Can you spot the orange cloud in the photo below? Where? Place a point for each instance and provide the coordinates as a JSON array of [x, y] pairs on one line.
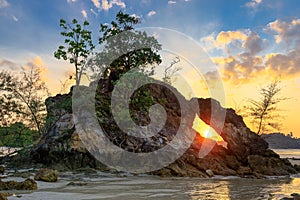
[[224, 38], [39, 64]]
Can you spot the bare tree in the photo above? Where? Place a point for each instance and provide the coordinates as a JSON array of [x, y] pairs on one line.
[[171, 70], [264, 111], [22, 98]]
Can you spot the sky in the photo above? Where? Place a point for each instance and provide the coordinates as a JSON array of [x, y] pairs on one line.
[[250, 42]]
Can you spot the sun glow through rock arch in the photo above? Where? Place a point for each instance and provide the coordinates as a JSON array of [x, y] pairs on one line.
[[205, 130]]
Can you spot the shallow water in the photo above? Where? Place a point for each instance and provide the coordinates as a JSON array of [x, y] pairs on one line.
[[109, 186], [290, 153], [129, 187]]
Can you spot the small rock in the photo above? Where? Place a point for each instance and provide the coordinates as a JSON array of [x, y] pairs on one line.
[[1, 169], [296, 196], [47, 175], [28, 184], [3, 196], [76, 184], [210, 173]]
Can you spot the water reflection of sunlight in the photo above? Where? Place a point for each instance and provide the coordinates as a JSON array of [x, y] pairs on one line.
[[210, 190], [289, 187]]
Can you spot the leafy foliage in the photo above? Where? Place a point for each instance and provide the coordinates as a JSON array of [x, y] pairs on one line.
[[264, 111], [17, 135], [125, 48], [78, 45]]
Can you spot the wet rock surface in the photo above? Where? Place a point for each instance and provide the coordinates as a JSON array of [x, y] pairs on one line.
[[28, 184]]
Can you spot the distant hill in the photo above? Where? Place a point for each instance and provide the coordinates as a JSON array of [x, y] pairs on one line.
[[280, 141]]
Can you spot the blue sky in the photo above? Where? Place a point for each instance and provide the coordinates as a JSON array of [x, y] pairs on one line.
[[33, 25], [250, 41]]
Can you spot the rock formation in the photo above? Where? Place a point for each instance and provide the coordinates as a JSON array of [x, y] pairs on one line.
[[246, 154]]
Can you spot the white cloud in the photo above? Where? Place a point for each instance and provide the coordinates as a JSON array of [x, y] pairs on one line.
[[3, 3], [15, 18], [135, 16], [71, 1], [171, 2], [151, 13], [253, 3], [107, 5], [96, 3], [84, 14]]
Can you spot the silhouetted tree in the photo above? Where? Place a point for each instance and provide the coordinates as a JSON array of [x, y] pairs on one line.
[[264, 111]]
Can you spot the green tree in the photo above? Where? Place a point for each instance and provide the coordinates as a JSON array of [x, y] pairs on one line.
[[22, 99], [120, 38], [264, 111], [78, 46], [17, 135]]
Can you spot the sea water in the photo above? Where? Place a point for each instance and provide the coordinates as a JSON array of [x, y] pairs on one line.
[[127, 187]]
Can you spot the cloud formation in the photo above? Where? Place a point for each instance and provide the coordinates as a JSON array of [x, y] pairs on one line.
[[171, 2], [71, 1], [96, 3], [286, 31], [253, 3], [9, 65], [107, 5], [151, 13], [253, 59], [15, 18], [37, 63], [254, 43], [3, 3], [84, 13]]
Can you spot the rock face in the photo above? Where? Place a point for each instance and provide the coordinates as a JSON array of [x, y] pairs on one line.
[[246, 154], [28, 184], [60, 146], [47, 175], [1, 169]]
